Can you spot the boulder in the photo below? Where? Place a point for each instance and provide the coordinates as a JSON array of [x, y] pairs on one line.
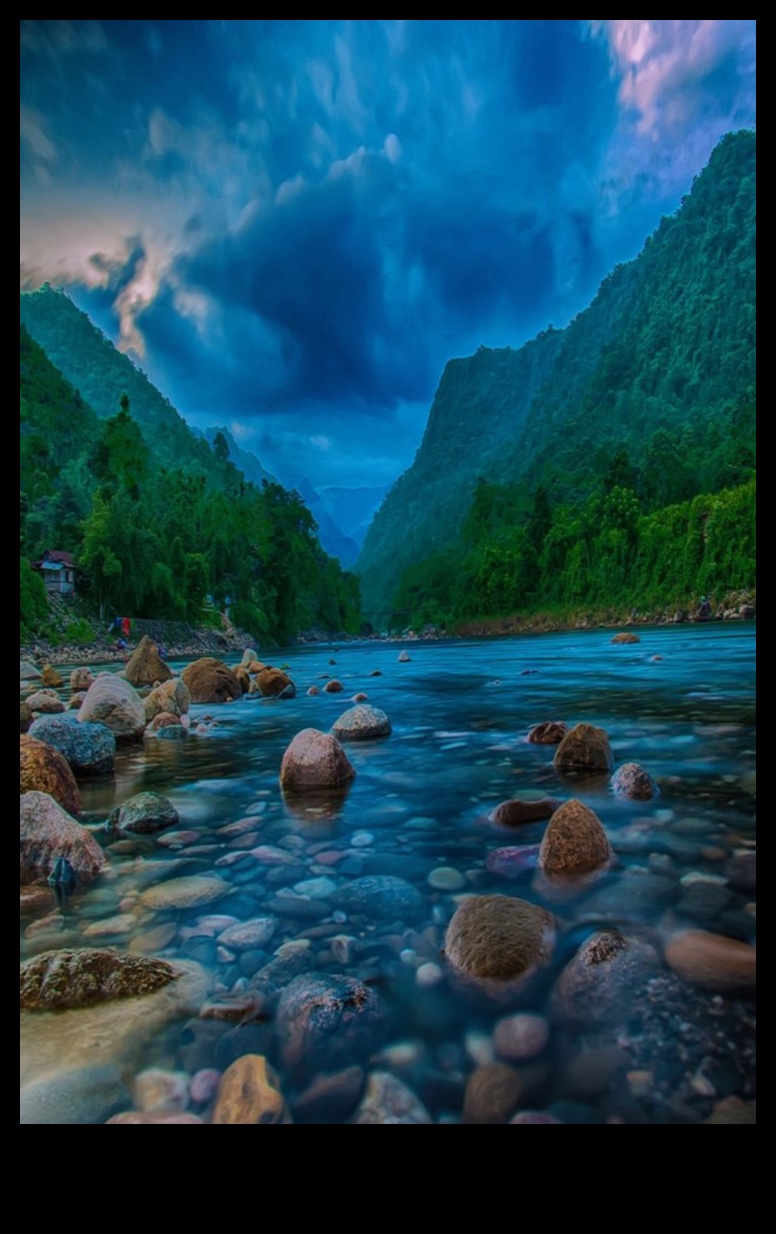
[[325, 1021], [333, 687], [632, 780], [586, 748], [47, 832], [249, 1092], [28, 671], [145, 665], [43, 769], [596, 986], [403, 657], [550, 733], [498, 938], [47, 702], [713, 962], [361, 723], [165, 719], [210, 681], [273, 682], [244, 678], [388, 1100], [314, 761], [81, 679], [25, 715], [50, 677], [172, 696], [56, 980], [75, 700], [112, 701], [625, 637], [574, 842], [89, 748], [515, 813], [145, 813]]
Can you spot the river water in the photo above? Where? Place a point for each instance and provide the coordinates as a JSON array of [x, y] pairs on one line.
[[681, 702]]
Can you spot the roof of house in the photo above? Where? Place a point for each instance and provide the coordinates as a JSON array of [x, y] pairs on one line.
[[54, 557]]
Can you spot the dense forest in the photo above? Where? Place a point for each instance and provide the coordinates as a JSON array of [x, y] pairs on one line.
[[610, 463], [152, 539]]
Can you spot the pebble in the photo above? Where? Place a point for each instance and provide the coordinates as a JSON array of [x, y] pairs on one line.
[[446, 878], [428, 975], [204, 1085], [479, 1047], [519, 1037], [157, 1091], [362, 839]]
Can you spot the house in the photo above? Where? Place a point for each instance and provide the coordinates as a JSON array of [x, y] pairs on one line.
[[58, 570]]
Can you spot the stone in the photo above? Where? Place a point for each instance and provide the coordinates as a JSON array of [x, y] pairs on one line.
[[585, 748], [741, 872], [204, 1085], [512, 860], [597, 984], [331, 1097], [137, 1116], [534, 1116], [89, 748], [273, 682], [210, 681], [632, 780], [247, 935], [157, 1091], [50, 677], [43, 769], [47, 702], [428, 975], [170, 698], [81, 679], [249, 1092], [145, 666], [519, 1037], [499, 938], [313, 691], [164, 719], [84, 1094], [361, 723], [153, 940], [325, 1020], [733, 1110], [333, 687], [144, 813], [56, 980], [381, 895], [625, 637], [110, 927], [47, 832], [314, 761], [28, 671], [244, 678], [713, 962], [492, 1094], [112, 701], [75, 701], [549, 733], [574, 842], [594, 1070], [515, 813], [403, 657], [446, 878], [388, 1100], [187, 892], [35, 899], [25, 715]]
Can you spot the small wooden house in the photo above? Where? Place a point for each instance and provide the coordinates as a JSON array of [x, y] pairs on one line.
[[58, 571]]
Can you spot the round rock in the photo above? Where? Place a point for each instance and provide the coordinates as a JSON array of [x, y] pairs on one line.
[[586, 749], [325, 1021], [89, 748], [314, 761], [144, 813], [498, 938], [574, 842], [362, 723], [381, 895], [632, 780], [43, 769]]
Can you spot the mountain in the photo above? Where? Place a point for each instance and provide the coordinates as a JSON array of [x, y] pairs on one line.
[[244, 460], [353, 508], [332, 537], [657, 366]]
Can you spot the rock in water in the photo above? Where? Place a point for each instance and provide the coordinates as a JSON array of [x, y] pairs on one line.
[[574, 842], [586, 748], [145, 665], [56, 980], [50, 676], [172, 697], [28, 671], [42, 769], [596, 985], [47, 832], [381, 895], [388, 1100], [81, 679], [145, 812], [498, 938], [249, 1092], [273, 682], [25, 716], [492, 1094], [550, 733], [112, 701], [211, 681], [515, 813], [325, 1021], [315, 760], [361, 723], [625, 637], [47, 702], [632, 780], [89, 748], [713, 962]]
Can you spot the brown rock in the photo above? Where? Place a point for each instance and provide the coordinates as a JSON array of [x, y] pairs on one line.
[[163, 720], [210, 681], [574, 842], [585, 748], [43, 769], [145, 665], [550, 733], [515, 813], [172, 697], [713, 962], [137, 1116], [249, 1092], [47, 832], [733, 1110], [81, 679], [112, 701], [35, 899], [632, 780], [492, 1094], [243, 676], [333, 686], [625, 637], [25, 715], [50, 677], [272, 682], [499, 938], [75, 701], [47, 702], [314, 760], [56, 980]]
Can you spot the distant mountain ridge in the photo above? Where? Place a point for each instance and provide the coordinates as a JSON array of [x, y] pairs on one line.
[[668, 344]]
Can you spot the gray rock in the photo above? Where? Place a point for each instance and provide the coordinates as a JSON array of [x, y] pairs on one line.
[[362, 723], [112, 701], [382, 896], [324, 1021], [144, 813], [89, 748]]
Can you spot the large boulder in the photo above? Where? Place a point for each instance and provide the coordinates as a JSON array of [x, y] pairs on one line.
[[632, 780], [713, 962], [43, 769], [586, 748], [28, 671], [47, 702], [88, 748], [497, 938], [145, 812], [172, 696], [81, 679], [273, 682], [50, 677], [596, 986], [145, 665], [574, 842], [56, 980], [249, 1092], [325, 1021], [211, 681], [112, 701], [314, 761], [47, 832], [361, 723]]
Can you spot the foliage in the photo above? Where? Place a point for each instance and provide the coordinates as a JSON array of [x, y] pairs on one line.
[[33, 606]]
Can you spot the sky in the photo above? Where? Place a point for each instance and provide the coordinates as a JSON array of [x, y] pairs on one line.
[[293, 225]]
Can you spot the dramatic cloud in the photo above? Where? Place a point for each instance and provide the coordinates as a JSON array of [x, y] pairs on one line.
[[296, 223]]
